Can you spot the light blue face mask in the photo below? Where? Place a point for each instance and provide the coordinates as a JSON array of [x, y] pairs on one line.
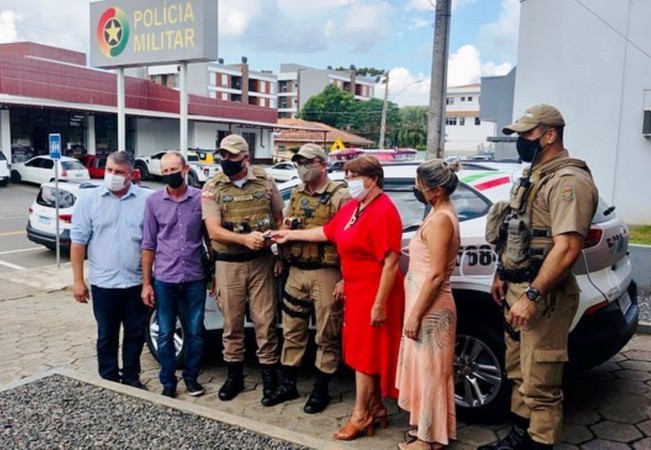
[[357, 189]]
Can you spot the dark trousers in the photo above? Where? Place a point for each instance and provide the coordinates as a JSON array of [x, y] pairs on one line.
[[185, 301], [113, 308]]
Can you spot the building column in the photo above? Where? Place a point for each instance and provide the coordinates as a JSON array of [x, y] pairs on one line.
[[5, 133], [91, 148]]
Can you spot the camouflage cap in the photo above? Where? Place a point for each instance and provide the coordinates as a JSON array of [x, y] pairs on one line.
[[536, 115], [234, 144], [310, 151]]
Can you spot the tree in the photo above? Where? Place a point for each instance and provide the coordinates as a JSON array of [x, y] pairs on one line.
[[333, 107], [364, 71], [413, 129], [366, 120]]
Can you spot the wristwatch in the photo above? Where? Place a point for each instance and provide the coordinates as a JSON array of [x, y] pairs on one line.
[[533, 294]]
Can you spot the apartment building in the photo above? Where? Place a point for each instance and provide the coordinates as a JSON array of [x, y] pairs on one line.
[[297, 83], [465, 133]]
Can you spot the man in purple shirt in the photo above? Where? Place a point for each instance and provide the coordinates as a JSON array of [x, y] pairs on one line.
[[173, 240]]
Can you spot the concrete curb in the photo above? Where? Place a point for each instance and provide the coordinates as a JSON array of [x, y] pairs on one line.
[[643, 328], [190, 408]]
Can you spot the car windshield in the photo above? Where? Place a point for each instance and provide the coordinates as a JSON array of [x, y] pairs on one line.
[[47, 197], [193, 158], [2, 157], [72, 165], [468, 203]]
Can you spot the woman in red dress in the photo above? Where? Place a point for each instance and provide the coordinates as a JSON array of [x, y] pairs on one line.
[[368, 234]]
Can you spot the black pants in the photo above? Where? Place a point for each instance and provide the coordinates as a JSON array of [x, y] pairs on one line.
[[112, 308]]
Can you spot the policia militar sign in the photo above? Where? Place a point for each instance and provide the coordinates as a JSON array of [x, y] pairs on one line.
[[142, 32]]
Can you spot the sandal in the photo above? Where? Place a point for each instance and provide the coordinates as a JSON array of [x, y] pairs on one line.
[[353, 430], [413, 444], [381, 415]]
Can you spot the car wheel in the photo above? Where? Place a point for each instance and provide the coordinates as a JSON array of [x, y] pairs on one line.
[[193, 179], [15, 177], [481, 388], [4, 182], [144, 172], [151, 337]]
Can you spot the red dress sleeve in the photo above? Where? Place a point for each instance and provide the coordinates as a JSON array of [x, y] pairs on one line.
[[388, 236]]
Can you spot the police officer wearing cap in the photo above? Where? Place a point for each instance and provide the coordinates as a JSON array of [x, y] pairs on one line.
[[314, 283], [241, 204], [539, 234]]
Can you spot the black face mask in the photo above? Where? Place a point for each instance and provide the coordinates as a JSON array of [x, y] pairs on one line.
[[174, 180], [231, 168], [420, 196], [527, 149]]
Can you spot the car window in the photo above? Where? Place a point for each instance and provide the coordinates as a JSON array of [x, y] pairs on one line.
[[72, 165], [34, 163], [100, 163], [468, 203], [2, 157], [46, 163], [193, 158], [47, 197]]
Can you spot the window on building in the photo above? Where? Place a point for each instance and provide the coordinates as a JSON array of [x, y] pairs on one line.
[[449, 101], [463, 99], [263, 102], [477, 121], [224, 80], [451, 121], [224, 96], [250, 139], [263, 87], [469, 99], [462, 121], [221, 134]]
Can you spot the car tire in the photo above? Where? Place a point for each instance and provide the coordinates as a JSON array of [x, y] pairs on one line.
[[15, 177], [144, 172], [151, 338], [193, 179], [482, 391], [4, 182]]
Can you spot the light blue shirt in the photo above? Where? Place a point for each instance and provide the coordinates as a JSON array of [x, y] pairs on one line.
[[111, 229]]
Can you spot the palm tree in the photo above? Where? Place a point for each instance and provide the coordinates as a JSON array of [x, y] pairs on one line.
[[413, 131]]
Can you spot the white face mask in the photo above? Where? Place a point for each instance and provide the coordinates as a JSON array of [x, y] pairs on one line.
[[357, 189], [114, 182]]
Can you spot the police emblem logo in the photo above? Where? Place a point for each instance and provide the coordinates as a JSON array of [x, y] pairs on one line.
[[305, 202], [567, 193], [258, 195]]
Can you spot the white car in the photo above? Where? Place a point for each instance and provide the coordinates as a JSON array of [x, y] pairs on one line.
[[199, 173], [40, 169], [4, 170], [605, 321], [283, 171], [41, 222]]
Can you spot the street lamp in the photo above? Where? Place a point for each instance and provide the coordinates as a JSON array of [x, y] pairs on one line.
[[383, 120]]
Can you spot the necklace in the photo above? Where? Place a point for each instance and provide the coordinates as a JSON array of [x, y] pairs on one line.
[[359, 211]]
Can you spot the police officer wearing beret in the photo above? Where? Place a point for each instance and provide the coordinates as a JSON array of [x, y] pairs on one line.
[[539, 234]]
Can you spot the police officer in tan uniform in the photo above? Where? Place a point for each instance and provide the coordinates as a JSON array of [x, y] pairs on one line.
[[241, 204], [539, 236], [314, 284]]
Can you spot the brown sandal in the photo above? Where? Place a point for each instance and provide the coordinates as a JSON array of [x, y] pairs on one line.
[[353, 430], [382, 416], [410, 445]]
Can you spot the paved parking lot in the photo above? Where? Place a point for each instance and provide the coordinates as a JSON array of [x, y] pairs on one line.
[[43, 328]]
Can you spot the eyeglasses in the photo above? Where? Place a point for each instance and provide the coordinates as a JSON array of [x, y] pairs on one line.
[[307, 162]]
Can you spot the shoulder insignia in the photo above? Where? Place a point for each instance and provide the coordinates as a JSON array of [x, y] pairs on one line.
[[258, 194], [567, 193], [227, 198], [208, 195]]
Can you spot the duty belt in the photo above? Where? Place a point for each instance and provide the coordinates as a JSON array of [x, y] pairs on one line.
[[517, 275], [308, 266]]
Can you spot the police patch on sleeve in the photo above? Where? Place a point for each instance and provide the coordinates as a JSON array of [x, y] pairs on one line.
[[567, 193]]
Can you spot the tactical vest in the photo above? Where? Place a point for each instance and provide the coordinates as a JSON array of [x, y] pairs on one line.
[[522, 246], [244, 209], [314, 211]]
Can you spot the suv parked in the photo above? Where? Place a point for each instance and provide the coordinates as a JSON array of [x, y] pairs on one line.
[[605, 321], [149, 166]]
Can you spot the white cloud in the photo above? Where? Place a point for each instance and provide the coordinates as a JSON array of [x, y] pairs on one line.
[[233, 21], [490, 69], [420, 23], [365, 25], [8, 21], [430, 5], [405, 88], [464, 66], [500, 38]]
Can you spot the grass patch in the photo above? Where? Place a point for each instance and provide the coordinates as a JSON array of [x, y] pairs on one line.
[[640, 234]]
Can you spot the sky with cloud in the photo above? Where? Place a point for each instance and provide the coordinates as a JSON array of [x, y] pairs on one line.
[[395, 35]]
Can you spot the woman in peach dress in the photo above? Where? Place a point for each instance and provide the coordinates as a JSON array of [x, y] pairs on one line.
[[426, 360]]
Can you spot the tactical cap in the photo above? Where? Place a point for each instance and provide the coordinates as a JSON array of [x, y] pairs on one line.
[[310, 151], [536, 115], [234, 144]]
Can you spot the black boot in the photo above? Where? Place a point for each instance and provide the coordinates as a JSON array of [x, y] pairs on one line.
[[234, 383], [287, 389], [517, 439], [269, 379], [319, 397]]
